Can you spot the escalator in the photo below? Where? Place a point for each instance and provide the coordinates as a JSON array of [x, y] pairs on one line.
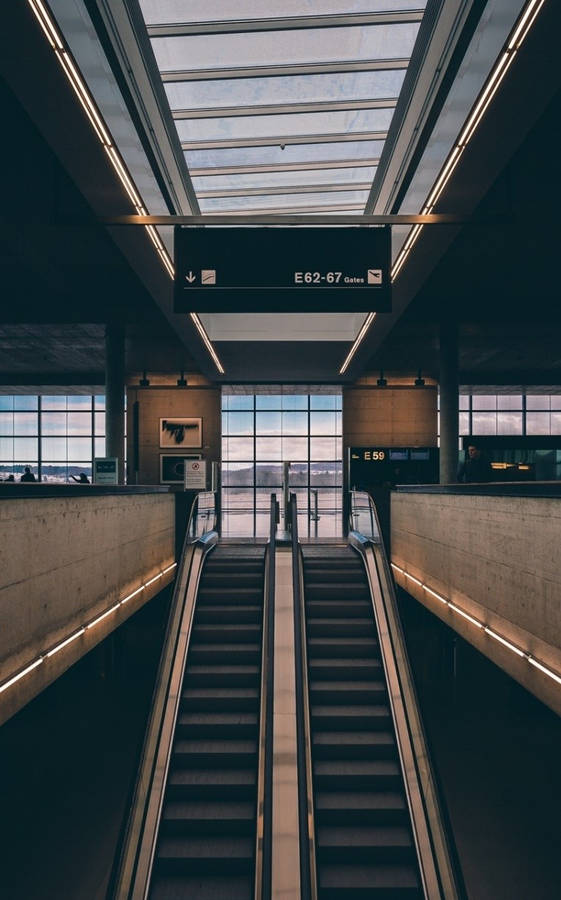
[[207, 836], [363, 835]]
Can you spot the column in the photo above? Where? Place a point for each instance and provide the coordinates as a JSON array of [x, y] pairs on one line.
[[115, 394], [449, 400]]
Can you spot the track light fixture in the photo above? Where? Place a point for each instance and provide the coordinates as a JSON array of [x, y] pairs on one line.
[[144, 381], [419, 382], [182, 381], [382, 382]]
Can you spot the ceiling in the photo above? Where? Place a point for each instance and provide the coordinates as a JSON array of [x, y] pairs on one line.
[[215, 145]]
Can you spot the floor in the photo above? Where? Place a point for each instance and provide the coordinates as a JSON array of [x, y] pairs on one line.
[[497, 753]]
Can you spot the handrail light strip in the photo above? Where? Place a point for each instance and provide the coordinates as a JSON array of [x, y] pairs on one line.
[[81, 630], [83, 94], [503, 62], [525, 654]]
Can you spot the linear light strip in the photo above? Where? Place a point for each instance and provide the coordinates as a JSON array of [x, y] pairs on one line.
[[89, 106], [480, 107], [518, 651], [80, 631]]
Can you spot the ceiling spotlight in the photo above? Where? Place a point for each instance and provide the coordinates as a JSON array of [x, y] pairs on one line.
[[182, 382], [419, 382], [144, 381], [382, 382]]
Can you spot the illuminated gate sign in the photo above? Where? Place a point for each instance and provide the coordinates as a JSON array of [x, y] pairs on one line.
[[298, 269]]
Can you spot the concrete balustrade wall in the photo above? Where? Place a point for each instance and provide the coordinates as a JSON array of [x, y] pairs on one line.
[[498, 558], [65, 560]]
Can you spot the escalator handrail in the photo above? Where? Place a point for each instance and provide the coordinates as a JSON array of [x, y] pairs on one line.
[[264, 830], [306, 819], [125, 883], [438, 861]]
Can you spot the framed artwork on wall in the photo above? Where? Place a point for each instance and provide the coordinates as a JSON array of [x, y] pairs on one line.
[[172, 468], [177, 432]]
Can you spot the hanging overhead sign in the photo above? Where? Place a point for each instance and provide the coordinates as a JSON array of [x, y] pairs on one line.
[[296, 269]]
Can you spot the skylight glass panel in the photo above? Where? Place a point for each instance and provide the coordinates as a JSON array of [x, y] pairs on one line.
[[292, 153], [325, 123], [298, 46], [215, 205], [280, 179], [285, 89], [171, 11]]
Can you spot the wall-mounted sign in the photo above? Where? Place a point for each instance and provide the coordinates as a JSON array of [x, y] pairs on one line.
[[369, 454], [297, 269], [195, 475], [172, 468], [106, 470]]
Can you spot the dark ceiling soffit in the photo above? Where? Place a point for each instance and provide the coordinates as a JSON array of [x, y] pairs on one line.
[[100, 13], [286, 23], [51, 104], [529, 86]]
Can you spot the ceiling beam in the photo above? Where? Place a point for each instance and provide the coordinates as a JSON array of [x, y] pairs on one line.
[[285, 189], [286, 167], [327, 68], [283, 109], [286, 140], [288, 23]]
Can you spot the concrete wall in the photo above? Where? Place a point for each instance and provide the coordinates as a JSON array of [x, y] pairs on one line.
[[64, 561], [496, 557], [155, 403], [389, 417]]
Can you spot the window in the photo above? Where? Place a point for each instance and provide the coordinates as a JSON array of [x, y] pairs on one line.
[[262, 431], [56, 435]]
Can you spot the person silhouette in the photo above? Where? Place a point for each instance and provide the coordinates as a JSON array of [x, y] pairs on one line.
[[28, 475]]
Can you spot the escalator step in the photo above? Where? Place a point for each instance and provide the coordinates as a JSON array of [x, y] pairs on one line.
[[345, 668], [222, 753], [210, 887], [205, 676], [215, 725], [347, 691], [247, 652], [220, 595], [344, 774], [353, 744], [361, 807], [216, 784], [232, 633], [210, 817], [333, 608], [340, 627], [390, 882], [340, 647], [221, 698], [217, 613], [351, 718], [205, 854], [367, 843]]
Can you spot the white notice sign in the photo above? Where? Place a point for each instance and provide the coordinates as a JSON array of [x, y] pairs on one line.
[[195, 475]]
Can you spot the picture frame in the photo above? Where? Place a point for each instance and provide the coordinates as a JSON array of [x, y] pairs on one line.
[[172, 467], [177, 432]]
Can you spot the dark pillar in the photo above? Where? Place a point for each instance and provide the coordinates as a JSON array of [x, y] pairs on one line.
[[115, 394], [449, 401]]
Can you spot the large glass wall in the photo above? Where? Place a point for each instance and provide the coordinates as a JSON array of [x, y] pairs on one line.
[[55, 435], [262, 431]]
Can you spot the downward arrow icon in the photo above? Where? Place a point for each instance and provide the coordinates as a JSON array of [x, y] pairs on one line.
[[190, 278]]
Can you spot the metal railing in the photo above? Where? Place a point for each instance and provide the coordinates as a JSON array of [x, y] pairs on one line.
[[308, 873], [439, 867], [263, 843], [131, 875]]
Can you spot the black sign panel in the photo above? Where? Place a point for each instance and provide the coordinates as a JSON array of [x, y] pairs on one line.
[[298, 269]]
